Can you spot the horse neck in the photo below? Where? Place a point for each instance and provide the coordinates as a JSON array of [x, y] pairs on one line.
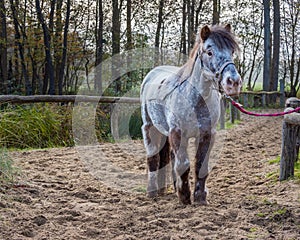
[[203, 81]]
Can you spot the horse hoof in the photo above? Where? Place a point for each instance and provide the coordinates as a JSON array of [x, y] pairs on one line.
[[200, 198], [185, 199], [201, 203], [152, 194], [162, 191]]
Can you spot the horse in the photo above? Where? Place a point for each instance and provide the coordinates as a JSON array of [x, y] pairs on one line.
[[179, 103]]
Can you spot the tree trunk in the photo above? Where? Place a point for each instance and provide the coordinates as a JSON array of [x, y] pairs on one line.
[[267, 46], [28, 87], [216, 11], [57, 44], [129, 43], [46, 33], [99, 49], [192, 24], [159, 22], [183, 31], [116, 35], [3, 49], [254, 61], [276, 46], [65, 48], [198, 10]]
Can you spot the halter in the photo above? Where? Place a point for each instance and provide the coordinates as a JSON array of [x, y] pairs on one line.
[[218, 73]]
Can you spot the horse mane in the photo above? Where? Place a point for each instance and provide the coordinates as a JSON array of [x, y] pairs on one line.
[[221, 37]]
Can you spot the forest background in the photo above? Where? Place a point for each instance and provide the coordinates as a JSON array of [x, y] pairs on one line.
[[52, 46]]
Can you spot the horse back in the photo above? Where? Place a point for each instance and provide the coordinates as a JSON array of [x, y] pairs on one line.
[[159, 82]]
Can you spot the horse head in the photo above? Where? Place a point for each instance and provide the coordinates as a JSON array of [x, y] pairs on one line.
[[216, 49]]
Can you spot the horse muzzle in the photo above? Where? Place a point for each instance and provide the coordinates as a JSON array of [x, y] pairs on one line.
[[232, 85]]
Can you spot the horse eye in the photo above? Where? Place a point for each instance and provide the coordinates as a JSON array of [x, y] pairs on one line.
[[209, 53]]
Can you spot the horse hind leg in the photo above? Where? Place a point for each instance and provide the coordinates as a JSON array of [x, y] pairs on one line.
[[172, 159], [164, 155], [181, 166], [152, 140]]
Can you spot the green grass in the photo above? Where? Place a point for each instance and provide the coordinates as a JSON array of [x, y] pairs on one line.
[[140, 189], [275, 174], [297, 170], [274, 161], [7, 170], [229, 125], [35, 126]]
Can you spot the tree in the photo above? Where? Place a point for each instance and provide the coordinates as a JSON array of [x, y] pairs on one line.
[[276, 46], [99, 47], [197, 13], [116, 37], [28, 87], [183, 30], [267, 46], [216, 11], [291, 13], [3, 49], [65, 47], [159, 23], [47, 42], [57, 42]]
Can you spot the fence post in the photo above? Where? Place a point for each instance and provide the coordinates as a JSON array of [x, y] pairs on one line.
[[222, 116], [245, 100], [290, 136], [264, 99], [232, 113]]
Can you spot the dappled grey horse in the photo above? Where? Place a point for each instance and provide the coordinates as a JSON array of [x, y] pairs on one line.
[[183, 103]]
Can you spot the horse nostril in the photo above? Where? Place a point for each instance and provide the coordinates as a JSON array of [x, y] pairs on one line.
[[229, 82]]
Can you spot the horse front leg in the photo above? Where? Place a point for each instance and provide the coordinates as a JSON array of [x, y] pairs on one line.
[[181, 165], [205, 144]]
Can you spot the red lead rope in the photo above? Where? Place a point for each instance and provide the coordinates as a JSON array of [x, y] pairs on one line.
[[239, 107]]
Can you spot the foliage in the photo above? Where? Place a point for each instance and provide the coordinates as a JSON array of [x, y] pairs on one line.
[[7, 170], [35, 126], [129, 122], [247, 21], [50, 125]]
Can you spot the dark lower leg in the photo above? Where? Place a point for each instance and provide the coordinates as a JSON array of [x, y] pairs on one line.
[[172, 157], [164, 155], [183, 187], [201, 169], [153, 165], [200, 194]]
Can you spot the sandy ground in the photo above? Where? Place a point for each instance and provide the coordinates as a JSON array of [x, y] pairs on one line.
[[99, 193]]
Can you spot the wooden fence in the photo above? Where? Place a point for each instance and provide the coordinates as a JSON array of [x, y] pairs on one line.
[[248, 99], [291, 123]]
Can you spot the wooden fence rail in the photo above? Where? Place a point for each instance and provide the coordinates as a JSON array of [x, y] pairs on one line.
[[65, 98], [103, 99]]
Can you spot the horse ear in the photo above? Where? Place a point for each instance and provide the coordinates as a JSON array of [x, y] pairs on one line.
[[228, 28], [205, 32]]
